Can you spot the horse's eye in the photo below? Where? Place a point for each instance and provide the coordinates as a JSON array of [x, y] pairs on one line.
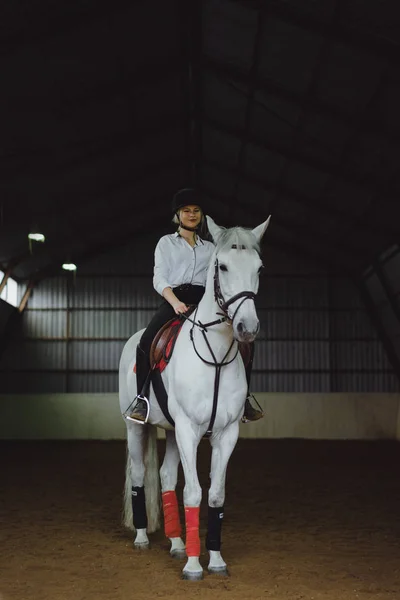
[[223, 268]]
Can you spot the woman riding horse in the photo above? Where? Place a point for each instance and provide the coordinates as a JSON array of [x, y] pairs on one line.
[[180, 272]]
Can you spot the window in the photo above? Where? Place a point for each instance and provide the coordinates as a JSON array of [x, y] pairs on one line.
[[10, 292]]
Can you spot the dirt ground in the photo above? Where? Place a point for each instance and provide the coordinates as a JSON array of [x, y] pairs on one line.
[[303, 520]]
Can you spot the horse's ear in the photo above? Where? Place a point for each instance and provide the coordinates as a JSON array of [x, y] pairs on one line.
[[261, 229], [214, 229]]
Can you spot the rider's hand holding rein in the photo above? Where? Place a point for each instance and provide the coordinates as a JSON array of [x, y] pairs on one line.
[[178, 306]]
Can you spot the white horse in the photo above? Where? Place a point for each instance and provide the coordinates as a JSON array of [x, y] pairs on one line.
[[190, 380]]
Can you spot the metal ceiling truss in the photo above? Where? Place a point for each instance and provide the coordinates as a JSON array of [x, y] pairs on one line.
[[338, 31], [96, 248], [251, 90], [41, 29], [310, 203], [87, 150], [340, 166], [310, 93], [127, 186], [319, 256], [331, 112], [366, 182], [191, 27]]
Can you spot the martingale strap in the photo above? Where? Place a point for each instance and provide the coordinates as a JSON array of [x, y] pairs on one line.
[[218, 366]]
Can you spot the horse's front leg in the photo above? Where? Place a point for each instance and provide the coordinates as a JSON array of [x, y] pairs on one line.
[[188, 441], [169, 478], [223, 444]]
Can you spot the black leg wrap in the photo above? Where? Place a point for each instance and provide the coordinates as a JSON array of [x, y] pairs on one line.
[[139, 508], [215, 517]]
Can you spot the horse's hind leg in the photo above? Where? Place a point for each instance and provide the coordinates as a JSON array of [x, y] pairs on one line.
[[222, 447], [169, 478], [136, 439]]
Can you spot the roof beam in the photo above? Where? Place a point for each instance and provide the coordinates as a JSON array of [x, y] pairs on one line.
[[311, 203], [108, 191], [191, 26], [340, 30], [385, 188], [36, 29], [319, 256], [366, 182], [271, 87], [96, 247], [125, 187], [252, 86], [86, 150], [310, 93]]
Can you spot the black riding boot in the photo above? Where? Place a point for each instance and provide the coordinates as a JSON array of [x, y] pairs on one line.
[[140, 409], [251, 413]]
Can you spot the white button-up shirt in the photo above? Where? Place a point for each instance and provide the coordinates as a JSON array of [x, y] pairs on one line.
[[177, 263]]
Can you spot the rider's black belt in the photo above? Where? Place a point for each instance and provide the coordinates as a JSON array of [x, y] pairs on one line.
[[188, 286]]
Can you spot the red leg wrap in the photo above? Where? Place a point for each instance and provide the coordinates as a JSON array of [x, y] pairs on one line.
[[172, 525], [192, 514]]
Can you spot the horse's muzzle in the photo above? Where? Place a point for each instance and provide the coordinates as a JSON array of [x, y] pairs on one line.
[[246, 334]]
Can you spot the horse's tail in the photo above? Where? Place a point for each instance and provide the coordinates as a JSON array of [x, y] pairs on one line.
[[151, 484]]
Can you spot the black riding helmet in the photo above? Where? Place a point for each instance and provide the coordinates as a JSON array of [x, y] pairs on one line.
[[185, 197]]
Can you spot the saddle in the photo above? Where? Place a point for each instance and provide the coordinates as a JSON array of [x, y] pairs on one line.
[[164, 341]]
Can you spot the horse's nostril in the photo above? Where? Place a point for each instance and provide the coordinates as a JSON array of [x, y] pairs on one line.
[[258, 327], [240, 327]]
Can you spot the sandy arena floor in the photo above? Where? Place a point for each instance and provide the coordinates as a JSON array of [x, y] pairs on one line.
[[303, 520]]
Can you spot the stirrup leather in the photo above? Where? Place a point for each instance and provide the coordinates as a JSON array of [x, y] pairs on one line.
[[131, 409]]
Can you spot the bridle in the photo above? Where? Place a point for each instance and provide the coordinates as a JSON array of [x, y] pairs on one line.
[[219, 298]]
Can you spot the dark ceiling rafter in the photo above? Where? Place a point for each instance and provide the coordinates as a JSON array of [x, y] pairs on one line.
[[90, 149], [96, 248], [310, 93], [357, 128], [320, 107], [108, 191], [251, 90], [82, 226], [322, 209], [340, 31], [191, 27], [367, 182], [41, 29], [292, 227], [121, 84]]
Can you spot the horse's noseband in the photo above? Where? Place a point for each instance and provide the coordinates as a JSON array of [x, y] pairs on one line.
[[224, 304]]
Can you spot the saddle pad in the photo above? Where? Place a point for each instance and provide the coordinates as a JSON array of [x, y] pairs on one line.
[[164, 343]]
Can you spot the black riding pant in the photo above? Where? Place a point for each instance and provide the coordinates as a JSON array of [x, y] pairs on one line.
[[189, 294]]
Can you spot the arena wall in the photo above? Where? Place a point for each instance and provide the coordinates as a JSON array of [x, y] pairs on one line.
[[309, 416]]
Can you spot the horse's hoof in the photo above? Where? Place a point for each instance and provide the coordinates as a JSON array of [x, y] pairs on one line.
[[178, 554], [221, 571], [142, 546], [192, 575]]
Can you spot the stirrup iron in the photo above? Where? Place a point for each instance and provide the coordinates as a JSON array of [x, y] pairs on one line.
[[131, 409]]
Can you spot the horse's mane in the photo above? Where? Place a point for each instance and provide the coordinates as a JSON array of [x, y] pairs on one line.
[[240, 237]]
